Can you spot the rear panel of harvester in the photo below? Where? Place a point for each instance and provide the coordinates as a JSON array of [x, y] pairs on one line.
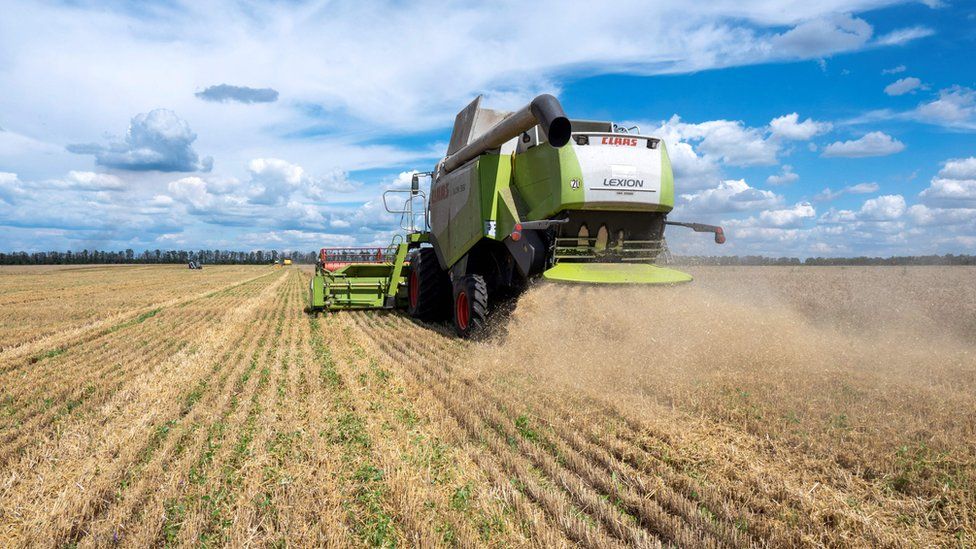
[[624, 173], [621, 184]]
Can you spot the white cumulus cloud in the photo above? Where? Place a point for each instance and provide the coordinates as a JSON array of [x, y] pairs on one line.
[[871, 144], [691, 170], [883, 208], [956, 106], [903, 86], [91, 181], [959, 168], [954, 186], [728, 141], [158, 140], [925, 216], [10, 187], [191, 190], [274, 180], [729, 196], [788, 126], [783, 178], [788, 217]]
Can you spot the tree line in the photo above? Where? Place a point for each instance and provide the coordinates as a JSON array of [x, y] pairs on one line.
[[265, 257], [207, 257], [759, 260]]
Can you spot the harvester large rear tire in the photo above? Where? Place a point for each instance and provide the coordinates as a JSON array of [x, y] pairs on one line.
[[428, 288], [470, 306]]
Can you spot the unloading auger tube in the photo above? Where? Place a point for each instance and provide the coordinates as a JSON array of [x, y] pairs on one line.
[[544, 111]]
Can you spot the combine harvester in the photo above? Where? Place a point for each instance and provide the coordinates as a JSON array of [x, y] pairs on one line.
[[511, 202]]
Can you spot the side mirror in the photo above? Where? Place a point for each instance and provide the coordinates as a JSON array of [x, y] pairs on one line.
[[415, 184]]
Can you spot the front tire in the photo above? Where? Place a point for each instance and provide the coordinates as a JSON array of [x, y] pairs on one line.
[[427, 288], [470, 305]]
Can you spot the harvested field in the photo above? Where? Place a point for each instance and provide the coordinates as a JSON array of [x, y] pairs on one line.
[[41, 301], [757, 406]]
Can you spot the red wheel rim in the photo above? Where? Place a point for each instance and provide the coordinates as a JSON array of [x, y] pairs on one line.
[[414, 289], [463, 314]]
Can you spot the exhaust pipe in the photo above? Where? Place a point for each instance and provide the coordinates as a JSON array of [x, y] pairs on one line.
[[544, 110]]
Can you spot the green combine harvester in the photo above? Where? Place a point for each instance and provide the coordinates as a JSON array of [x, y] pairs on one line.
[[518, 196]]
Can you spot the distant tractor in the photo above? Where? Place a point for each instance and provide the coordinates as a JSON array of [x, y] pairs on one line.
[[511, 202], [194, 265]]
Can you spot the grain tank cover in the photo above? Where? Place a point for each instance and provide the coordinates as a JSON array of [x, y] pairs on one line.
[[544, 111], [471, 123]]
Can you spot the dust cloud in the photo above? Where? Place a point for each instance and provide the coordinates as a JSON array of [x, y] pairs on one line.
[[887, 352]]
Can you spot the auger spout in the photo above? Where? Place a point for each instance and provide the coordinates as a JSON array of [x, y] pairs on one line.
[[544, 111]]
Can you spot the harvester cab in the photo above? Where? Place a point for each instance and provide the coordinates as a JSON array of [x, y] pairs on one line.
[[518, 196]]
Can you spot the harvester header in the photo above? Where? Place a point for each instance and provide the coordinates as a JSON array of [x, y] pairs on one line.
[[518, 196]]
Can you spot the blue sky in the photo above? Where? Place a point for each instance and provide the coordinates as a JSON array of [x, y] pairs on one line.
[[805, 128]]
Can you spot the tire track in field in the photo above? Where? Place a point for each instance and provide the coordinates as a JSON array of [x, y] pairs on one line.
[[569, 472], [563, 496], [489, 421], [296, 498], [530, 511], [272, 492], [659, 509], [483, 469], [415, 463], [505, 415], [319, 489], [366, 513]]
